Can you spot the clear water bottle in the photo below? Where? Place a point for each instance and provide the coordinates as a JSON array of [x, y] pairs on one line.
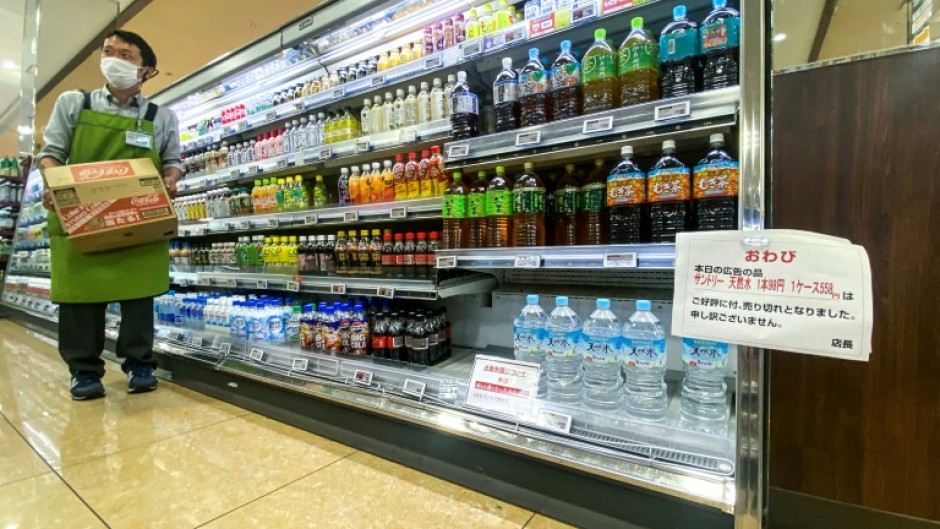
[[600, 355], [644, 360], [529, 332], [704, 392], [563, 365]]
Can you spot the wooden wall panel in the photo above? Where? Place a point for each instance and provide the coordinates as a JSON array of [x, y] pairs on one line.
[[856, 154]]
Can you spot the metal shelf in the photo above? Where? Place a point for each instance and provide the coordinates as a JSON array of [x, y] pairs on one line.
[[614, 256], [422, 208], [35, 272], [378, 286], [350, 152], [645, 125]]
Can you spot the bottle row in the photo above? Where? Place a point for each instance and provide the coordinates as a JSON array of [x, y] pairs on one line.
[[402, 255], [9, 167], [414, 335], [640, 70], [608, 366], [622, 206]]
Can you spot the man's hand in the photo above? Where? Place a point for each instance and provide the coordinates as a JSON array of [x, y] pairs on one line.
[[171, 176], [47, 200]]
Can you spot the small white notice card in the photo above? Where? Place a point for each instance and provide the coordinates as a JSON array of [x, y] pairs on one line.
[[779, 289], [503, 385]]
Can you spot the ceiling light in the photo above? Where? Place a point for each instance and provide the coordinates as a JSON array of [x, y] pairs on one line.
[[8, 64], [780, 37]]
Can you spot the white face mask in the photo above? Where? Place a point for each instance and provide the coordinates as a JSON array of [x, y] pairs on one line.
[[120, 74]]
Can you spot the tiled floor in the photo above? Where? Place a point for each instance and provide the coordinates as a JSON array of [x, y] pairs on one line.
[[177, 459]]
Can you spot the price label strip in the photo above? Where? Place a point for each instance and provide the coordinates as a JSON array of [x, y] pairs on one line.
[[252, 170], [433, 62], [378, 80], [339, 92], [363, 146], [524, 139], [256, 354], [447, 390], [197, 341], [299, 364], [310, 219], [351, 216], [262, 284], [385, 292], [414, 388], [293, 286], [274, 223], [408, 136], [458, 151], [449, 261], [596, 125], [326, 153], [620, 260], [471, 48], [527, 261], [225, 348], [282, 164], [338, 288], [553, 420], [363, 378], [681, 109], [399, 212]]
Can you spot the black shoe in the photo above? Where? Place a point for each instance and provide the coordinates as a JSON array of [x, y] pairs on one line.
[[86, 386], [140, 379]]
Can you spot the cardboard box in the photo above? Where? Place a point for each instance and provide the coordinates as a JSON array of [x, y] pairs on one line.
[[108, 205]]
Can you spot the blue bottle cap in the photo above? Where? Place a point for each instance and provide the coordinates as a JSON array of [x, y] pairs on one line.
[[358, 307], [566, 45], [561, 301], [532, 299], [344, 306], [534, 54], [720, 4], [644, 304], [603, 304], [679, 12]]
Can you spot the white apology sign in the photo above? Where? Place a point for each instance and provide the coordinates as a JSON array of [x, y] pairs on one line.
[[504, 386], [778, 289]]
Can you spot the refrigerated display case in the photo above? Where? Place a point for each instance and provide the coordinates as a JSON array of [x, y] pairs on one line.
[[587, 466]]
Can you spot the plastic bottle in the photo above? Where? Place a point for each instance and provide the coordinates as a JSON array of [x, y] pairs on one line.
[[377, 116], [375, 252], [499, 210], [599, 74], [376, 184], [678, 53], [388, 112], [448, 93], [528, 205], [593, 223], [638, 66], [626, 198], [359, 333], [465, 120], [720, 35], [506, 97], [321, 196], [411, 107], [424, 104], [399, 106], [715, 189], [331, 339], [412, 187], [364, 253], [437, 100], [529, 332], [563, 365], [644, 359], [346, 194], [601, 356], [567, 207], [704, 392], [567, 96], [476, 212], [425, 184], [534, 92], [487, 20], [343, 325], [436, 173], [669, 196], [472, 26], [364, 117], [388, 181], [455, 214], [365, 185], [398, 176]]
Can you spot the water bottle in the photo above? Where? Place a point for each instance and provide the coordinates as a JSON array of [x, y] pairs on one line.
[[644, 361], [600, 355], [529, 333], [238, 323], [563, 365], [703, 388], [293, 326]]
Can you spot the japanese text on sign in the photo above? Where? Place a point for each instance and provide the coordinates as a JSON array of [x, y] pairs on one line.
[[504, 386], [796, 291]]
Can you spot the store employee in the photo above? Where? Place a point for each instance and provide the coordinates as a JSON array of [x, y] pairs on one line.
[[112, 123]]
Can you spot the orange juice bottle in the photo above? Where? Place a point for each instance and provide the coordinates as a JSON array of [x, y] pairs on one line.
[[256, 197], [425, 184], [377, 186], [354, 197], [411, 176], [388, 182], [398, 176], [365, 185]]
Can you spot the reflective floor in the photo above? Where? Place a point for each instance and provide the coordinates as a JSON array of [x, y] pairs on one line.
[[177, 459]]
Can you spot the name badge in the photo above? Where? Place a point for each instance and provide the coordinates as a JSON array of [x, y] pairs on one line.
[[138, 139]]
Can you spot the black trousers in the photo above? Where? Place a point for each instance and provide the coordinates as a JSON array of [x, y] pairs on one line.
[[81, 334]]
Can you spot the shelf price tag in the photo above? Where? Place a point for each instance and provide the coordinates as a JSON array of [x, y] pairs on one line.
[[310, 219], [227, 130], [433, 62], [398, 212], [339, 92], [204, 282], [338, 288], [299, 159], [293, 286], [326, 153], [378, 80], [282, 164], [595, 125], [620, 260], [414, 388], [299, 364], [229, 226], [197, 341], [385, 292], [553, 420], [528, 138], [210, 182], [235, 174], [242, 126], [243, 225], [225, 348], [229, 283], [542, 25], [351, 216], [609, 6], [677, 110], [458, 151], [471, 48], [270, 116], [363, 146], [274, 223], [408, 136], [256, 354], [449, 261], [503, 385], [262, 284], [527, 261], [252, 170], [362, 377]]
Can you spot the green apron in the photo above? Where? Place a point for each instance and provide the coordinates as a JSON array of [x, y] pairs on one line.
[[126, 273]]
